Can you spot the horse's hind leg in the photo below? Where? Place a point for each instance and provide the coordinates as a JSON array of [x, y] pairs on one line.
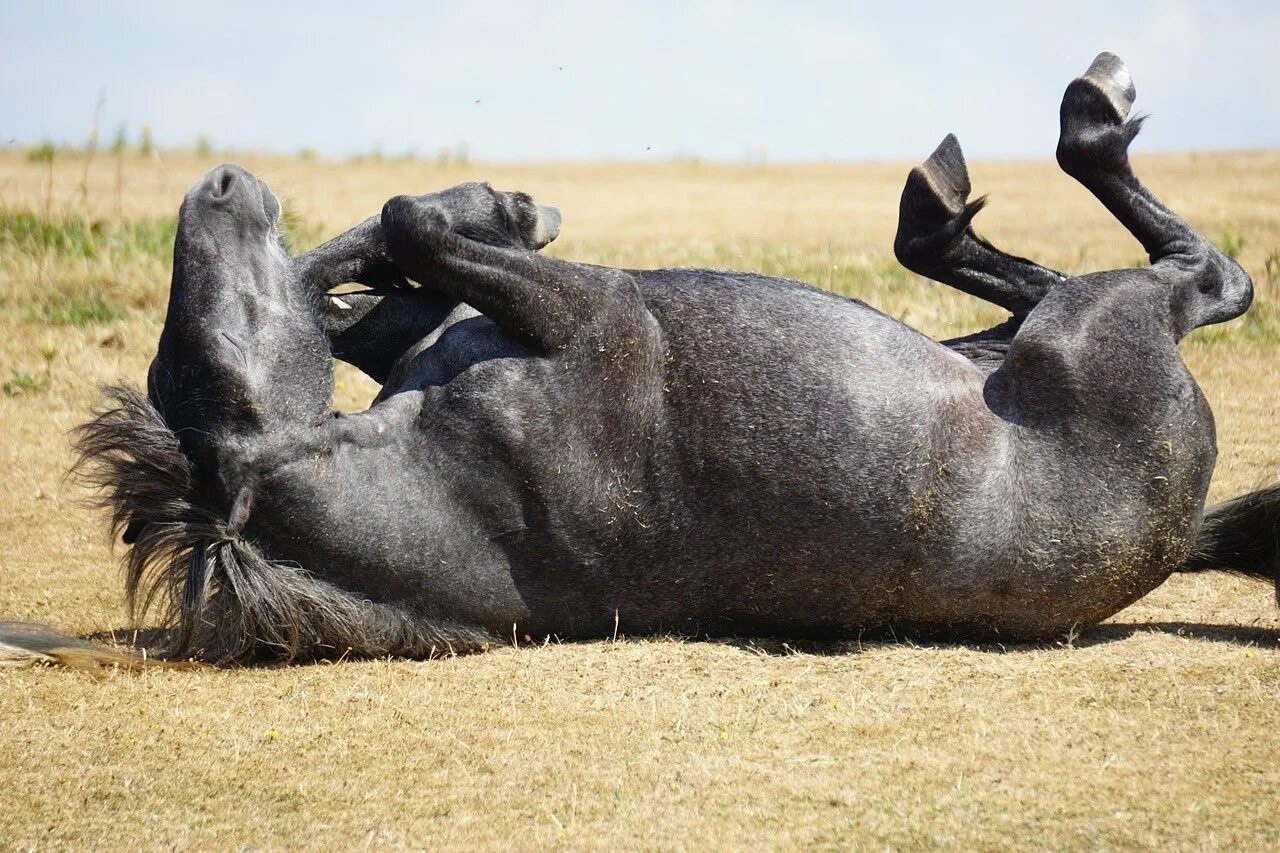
[[1093, 148], [936, 240]]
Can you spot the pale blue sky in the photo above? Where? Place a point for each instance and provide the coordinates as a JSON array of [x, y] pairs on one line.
[[573, 79]]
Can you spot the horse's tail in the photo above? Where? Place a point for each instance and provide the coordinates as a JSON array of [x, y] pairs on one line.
[[1241, 536], [28, 644]]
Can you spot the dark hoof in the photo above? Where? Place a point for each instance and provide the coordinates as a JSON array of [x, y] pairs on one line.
[[935, 209], [1109, 80], [945, 176], [1094, 133]]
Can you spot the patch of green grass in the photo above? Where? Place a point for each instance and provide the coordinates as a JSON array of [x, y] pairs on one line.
[[79, 309], [72, 271], [299, 235], [1231, 244], [24, 383], [146, 237], [23, 232], [42, 153]]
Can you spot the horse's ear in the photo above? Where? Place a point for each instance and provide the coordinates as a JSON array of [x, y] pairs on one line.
[[133, 531]]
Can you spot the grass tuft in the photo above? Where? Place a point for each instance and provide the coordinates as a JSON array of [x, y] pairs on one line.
[[76, 309], [22, 231], [1231, 244], [45, 152], [74, 237], [299, 235], [24, 383]]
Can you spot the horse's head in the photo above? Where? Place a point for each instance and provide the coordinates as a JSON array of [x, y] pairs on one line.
[[228, 237], [241, 346], [239, 389]]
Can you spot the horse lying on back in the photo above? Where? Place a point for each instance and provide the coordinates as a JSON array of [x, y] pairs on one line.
[[572, 450]]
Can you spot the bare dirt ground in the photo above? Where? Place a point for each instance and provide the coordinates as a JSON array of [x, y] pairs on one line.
[[1161, 728]]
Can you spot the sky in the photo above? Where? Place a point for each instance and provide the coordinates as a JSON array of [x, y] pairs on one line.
[[577, 79]]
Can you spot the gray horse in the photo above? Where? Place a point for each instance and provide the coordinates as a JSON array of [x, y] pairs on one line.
[[573, 450]]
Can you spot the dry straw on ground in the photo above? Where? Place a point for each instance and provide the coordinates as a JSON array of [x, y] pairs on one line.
[[1159, 729]]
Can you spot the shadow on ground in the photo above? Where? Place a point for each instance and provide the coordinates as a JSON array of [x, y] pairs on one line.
[[1239, 635]]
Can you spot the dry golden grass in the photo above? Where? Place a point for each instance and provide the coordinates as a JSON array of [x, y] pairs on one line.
[[1159, 729]]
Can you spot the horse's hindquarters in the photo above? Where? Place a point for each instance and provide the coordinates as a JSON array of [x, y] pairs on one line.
[[1112, 449]]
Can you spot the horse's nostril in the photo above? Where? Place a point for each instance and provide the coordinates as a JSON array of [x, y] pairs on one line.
[[223, 182]]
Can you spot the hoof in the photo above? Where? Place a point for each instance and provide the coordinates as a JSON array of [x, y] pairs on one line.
[[1109, 80], [945, 176], [1094, 132], [935, 209]]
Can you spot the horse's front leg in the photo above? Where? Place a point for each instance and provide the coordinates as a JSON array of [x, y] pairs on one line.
[[357, 255], [543, 303], [372, 329]]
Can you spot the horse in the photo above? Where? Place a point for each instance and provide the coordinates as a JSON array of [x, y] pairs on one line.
[[569, 450]]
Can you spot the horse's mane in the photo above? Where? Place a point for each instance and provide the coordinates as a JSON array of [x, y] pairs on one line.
[[215, 592]]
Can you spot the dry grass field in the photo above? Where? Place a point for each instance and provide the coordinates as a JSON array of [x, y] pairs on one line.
[[1159, 729]]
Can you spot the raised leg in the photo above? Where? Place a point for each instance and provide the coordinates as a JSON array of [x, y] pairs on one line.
[[1093, 148], [369, 330], [936, 240], [372, 330], [358, 255], [541, 302]]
